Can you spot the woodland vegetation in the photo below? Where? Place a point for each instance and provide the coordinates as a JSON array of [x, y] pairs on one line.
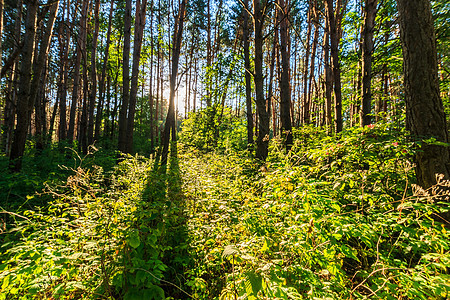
[[211, 149]]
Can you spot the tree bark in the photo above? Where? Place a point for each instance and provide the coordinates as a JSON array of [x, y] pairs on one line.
[[64, 43], [102, 83], [93, 75], [328, 77], [170, 119], [81, 46], [334, 41], [370, 11], [262, 144], [139, 25], [424, 109], [38, 68], [306, 105], [285, 88], [123, 113], [24, 101], [247, 75]]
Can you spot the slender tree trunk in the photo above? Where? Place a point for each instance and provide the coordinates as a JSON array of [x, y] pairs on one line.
[[262, 147], [11, 97], [51, 127], [81, 45], [313, 60], [37, 85], [208, 54], [64, 43], [270, 97], [306, 105], [170, 119], [370, 10], [101, 96], [424, 109], [126, 79], [151, 96], [247, 74], [139, 25], [24, 101], [328, 77], [334, 41], [93, 75], [285, 89]]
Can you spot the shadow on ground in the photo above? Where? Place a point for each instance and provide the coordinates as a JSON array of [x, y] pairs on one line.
[[158, 255]]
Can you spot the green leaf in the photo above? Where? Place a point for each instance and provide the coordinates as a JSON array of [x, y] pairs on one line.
[[253, 284], [133, 239]]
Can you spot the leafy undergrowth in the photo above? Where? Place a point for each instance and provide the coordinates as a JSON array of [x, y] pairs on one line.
[[336, 218], [106, 235]]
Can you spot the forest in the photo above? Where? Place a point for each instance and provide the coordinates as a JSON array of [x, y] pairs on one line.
[[224, 149]]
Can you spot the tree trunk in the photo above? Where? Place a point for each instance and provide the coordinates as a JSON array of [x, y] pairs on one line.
[[328, 77], [270, 97], [139, 25], [306, 106], [81, 46], [101, 98], [424, 109], [247, 75], [370, 11], [24, 101], [93, 75], [150, 96], [126, 79], [285, 89], [11, 96], [334, 41], [64, 44], [37, 85], [262, 144], [170, 119]]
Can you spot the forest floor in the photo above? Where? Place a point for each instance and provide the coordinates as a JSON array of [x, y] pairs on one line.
[[335, 219]]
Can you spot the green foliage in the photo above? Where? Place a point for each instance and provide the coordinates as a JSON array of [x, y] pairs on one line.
[[210, 128], [41, 169], [104, 234], [336, 218]]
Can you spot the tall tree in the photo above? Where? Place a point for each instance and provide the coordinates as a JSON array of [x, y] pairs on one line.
[[262, 144], [93, 75], [334, 50], [424, 109], [306, 106], [38, 69], [76, 91], [24, 101], [101, 92], [139, 25], [11, 95], [123, 113], [64, 44], [285, 89], [170, 119], [370, 11], [247, 74], [328, 77]]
